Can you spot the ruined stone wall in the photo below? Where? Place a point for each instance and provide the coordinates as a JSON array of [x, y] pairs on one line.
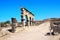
[[55, 25], [29, 17], [14, 21]]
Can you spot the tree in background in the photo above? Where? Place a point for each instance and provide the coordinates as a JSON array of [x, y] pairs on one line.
[[7, 22], [2, 24]]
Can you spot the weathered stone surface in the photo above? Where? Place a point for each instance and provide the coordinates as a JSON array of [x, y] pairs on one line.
[[29, 17], [14, 24]]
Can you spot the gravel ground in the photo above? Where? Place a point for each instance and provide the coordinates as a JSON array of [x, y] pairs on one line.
[[32, 33]]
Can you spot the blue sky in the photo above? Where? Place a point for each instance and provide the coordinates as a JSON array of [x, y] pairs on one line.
[[42, 9]]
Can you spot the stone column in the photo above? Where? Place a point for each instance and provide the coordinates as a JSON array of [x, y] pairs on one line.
[[0, 27], [32, 21], [22, 20], [0, 24], [13, 24], [28, 22]]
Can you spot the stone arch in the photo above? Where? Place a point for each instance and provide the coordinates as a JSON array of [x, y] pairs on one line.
[[28, 15]]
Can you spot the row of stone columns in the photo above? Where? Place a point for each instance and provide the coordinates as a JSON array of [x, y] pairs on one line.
[[29, 17], [29, 21]]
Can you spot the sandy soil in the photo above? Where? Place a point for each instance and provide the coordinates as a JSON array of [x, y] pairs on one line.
[[32, 33]]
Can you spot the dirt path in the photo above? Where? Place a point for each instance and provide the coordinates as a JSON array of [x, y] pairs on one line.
[[33, 33]]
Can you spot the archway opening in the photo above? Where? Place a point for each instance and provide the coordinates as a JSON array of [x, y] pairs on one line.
[[26, 20]]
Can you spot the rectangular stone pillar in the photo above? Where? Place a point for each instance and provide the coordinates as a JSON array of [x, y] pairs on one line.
[[0, 27], [32, 21], [13, 24], [22, 19], [28, 22]]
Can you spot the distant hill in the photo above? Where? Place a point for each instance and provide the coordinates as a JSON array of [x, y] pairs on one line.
[[38, 22]]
